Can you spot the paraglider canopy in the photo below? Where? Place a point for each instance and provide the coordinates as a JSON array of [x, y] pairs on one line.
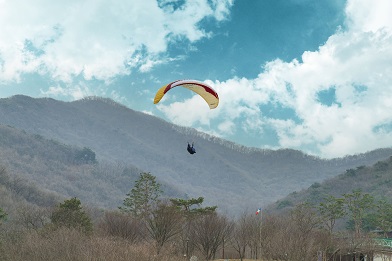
[[205, 91]]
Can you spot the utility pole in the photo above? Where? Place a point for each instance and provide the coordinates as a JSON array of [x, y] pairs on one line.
[[187, 247], [259, 212], [223, 248], [260, 233]]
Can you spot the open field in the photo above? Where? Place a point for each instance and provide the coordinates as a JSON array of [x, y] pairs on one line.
[[238, 259]]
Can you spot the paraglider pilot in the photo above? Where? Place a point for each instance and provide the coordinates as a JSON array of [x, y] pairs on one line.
[[191, 149]]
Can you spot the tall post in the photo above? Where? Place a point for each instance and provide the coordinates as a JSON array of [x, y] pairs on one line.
[[259, 243], [187, 249], [260, 235], [261, 219], [223, 248]]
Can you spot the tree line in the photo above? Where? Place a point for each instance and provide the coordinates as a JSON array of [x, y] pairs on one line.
[[174, 228]]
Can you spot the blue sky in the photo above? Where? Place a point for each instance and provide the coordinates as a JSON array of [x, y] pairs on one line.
[[303, 74]]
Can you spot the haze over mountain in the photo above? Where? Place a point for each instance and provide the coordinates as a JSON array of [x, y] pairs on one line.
[[375, 180], [43, 172], [231, 176]]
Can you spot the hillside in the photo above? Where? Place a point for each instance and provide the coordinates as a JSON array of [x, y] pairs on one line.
[[42, 171], [231, 176], [375, 180]]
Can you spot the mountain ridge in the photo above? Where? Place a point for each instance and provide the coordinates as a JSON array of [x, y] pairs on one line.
[[226, 174]]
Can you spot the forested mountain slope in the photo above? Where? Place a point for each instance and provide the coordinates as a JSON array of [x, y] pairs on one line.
[[231, 176], [375, 180], [44, 171]]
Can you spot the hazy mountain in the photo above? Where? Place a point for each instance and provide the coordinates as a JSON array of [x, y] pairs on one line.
[[375, 180], [42, 172], [231, 176]]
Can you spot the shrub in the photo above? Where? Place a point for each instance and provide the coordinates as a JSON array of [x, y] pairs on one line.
[[72, 244], [123, 225]]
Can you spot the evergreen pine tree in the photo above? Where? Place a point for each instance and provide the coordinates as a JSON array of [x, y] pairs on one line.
[[143, 197]]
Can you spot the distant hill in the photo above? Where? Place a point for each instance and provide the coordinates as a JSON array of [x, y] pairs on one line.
[[226, 174], [42, 172], [375, 180]]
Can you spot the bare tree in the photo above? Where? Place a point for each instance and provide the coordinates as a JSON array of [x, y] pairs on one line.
[[275, 238], [32, 216], [122, 225], [269, 236], [163, 224], [305, 222], [243, 232], [191, 209], [208, 233], [255, 234], [293, 237]]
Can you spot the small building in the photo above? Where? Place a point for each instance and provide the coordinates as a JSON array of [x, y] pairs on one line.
[[378, 249], [384, 250]]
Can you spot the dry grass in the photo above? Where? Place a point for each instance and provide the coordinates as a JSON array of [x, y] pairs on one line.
[[239, 259], [70, 244]]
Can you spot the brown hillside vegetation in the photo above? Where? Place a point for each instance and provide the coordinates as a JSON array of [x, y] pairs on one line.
[[375, 180], [295, 237], [70, 244], [81, 233]]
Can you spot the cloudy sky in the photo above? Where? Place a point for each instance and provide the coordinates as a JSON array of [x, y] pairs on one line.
[[309, 75]]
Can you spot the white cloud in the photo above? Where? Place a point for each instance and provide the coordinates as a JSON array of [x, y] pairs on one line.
[[75, 91], [238, 98], [356, 63], [226, 127], [194, 110], [359, 56], [96, 39], [366, 15], [222, 8]]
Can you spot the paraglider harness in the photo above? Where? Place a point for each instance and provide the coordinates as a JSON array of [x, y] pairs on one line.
[[191, 149]]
